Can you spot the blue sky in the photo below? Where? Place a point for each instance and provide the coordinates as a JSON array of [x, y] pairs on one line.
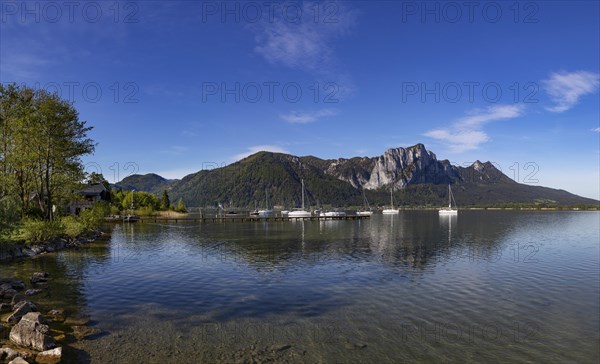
[[175, 87]]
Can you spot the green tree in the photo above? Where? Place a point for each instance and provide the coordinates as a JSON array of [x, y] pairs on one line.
[[180, 206], [139, 200], [128, 201], [41, 143], [60, 141], [165, 203]]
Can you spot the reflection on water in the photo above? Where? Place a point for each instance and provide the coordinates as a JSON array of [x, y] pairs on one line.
[[415, 287]]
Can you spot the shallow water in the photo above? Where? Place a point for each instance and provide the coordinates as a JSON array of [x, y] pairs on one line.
[[493, 286]]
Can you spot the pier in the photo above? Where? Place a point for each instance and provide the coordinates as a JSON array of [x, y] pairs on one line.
[[241, 219]]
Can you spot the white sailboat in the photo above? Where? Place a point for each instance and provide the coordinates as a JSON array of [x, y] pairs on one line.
[[392, 210], [366, 211], [302, 212], [266, 212], [449, 210]]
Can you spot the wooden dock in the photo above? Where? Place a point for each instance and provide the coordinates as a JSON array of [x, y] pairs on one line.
[[240, 219]]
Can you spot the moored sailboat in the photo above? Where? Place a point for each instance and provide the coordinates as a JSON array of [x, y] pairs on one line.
[[449, 210], [392, 210], [266, 212], [366, 211], [302, 212]]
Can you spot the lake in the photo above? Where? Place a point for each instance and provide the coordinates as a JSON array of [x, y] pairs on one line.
[[486, 286]]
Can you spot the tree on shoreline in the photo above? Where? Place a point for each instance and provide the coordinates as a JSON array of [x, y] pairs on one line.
[[165, 202], [42, 141], [180, 206]]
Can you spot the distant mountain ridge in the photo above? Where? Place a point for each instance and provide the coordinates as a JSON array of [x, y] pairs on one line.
[[147, 182], [417, 176]]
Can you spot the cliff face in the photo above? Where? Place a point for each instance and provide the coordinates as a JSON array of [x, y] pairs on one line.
[[398, 166]]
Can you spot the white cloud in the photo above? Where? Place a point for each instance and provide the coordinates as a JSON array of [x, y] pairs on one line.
[[477, 118], [306, 42], [565, 89], [296, 117], [191, 129], [597, 130], [175, 150], [465, 134], [302, 39], [259, 148]]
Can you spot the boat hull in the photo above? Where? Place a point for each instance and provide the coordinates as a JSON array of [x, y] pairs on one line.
[[364, 213], [448, 212], [333, 214], [299, 214], [390, 212]]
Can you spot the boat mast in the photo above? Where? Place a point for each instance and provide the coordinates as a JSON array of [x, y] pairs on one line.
[[302, 194], [266, 200], [391, 197], [449, 197]]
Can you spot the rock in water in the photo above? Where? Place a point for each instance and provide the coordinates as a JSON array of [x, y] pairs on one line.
[[39, 277], [20, 309], [7, 290], [32, 332], [8, 354], [57, 315], [18, 360], [33, 291], [83, 332], [5, 307], [17, 298], [49, 356], [18, 284]]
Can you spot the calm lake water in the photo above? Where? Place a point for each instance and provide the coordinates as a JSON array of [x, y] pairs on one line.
[[487, 286]]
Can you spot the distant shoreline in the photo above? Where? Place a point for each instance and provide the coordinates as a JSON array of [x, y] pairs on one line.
[[195, 210]]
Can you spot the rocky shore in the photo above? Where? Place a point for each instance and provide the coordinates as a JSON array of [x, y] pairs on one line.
[[28, 335], [22, 250]]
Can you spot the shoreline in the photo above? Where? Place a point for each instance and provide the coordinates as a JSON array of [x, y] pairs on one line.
[[20, 250]]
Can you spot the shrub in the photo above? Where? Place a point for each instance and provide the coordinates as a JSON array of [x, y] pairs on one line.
[[9, 216], [180, 206], [72, 226], [38, 231], [145, 211], [114, 210], [91, 219]]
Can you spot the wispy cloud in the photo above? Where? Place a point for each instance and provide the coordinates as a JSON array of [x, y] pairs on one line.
[[175, 150], [466, 133], [191, 129], [296, 117], [259, 148], [305, 43], [597, 130], [22, 66], [477, 118], [565, 89], [308, 43]]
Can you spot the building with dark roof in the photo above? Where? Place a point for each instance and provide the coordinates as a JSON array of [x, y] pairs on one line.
[[91, 194]]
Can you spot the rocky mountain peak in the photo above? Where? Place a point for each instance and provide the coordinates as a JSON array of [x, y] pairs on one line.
[[478, 166]]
